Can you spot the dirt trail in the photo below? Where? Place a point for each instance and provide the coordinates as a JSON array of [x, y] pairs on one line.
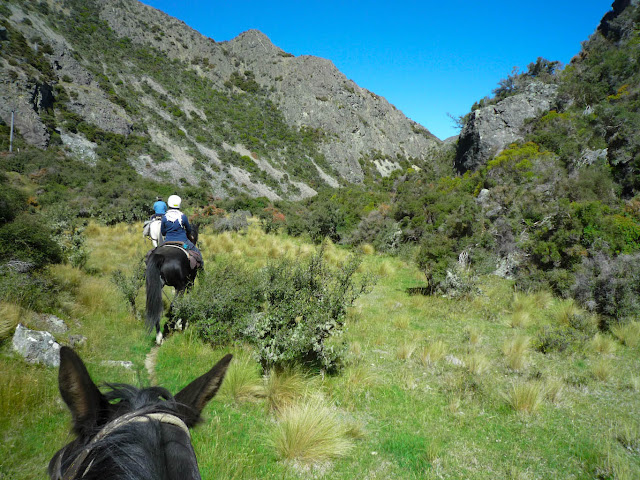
[[150, 364]]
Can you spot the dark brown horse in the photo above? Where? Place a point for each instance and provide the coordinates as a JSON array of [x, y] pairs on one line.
[[129, 433], [166, 265]]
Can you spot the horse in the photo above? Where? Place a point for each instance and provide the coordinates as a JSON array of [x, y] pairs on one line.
[[130, 433], [166, 265], [154, 232]]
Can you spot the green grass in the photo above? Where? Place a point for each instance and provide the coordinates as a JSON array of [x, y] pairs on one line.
[[403, 416]]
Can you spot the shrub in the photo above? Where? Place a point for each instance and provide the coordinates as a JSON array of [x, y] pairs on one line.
[[234, 222], [221, 301], [610, 286], [305, 304], [129, 285], [28, 238]]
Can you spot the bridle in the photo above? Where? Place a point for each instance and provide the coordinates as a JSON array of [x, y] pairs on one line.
[[131, 417]]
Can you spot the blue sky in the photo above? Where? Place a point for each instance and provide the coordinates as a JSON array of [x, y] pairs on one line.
[[426, 58]]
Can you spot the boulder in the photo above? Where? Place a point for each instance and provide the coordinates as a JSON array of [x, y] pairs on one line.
[[491, 129], [36, 346]]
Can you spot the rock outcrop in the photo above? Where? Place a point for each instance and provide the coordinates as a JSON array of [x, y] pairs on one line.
[[36, 346], [491, 129]]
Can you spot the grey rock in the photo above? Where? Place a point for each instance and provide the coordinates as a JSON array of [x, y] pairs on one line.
[[589, 157], [491, 129], [36, 346], [483, 197], [454, 361]]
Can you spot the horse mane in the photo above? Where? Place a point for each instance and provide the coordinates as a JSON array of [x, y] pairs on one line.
[[134, 448]]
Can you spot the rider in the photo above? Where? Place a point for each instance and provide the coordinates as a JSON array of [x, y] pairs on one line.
[[175, 224], [159, 208]]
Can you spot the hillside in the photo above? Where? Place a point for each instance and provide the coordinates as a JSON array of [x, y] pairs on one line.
[[240, 116]]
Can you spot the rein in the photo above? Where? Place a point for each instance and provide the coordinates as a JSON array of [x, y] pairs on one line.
[[131, 417]]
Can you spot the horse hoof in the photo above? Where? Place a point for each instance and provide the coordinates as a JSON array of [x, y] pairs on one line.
[[159, 339]]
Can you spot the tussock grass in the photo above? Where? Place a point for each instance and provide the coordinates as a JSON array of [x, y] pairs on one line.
[[553, 389], [405, 350], [565, 311], [473, 335], [515, 350], [525, 397], [367, 249], [628, 333], [542, 299], [628, 435], [310, 432], [385, 269], [602, 369], [432, 352], [602, 344], [477, 363], [284, 388], [243, 382], [401, 322], [523, 307], [10, 316]]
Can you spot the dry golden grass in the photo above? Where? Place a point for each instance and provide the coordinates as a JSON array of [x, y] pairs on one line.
[[243, 382], [628, 333], [10, 316], [515, 350], [432, 352], [310, 432], [525, 397], [401, 322], [284, 388]]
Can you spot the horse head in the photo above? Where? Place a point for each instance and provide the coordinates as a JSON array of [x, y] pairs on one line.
[[128, 432]]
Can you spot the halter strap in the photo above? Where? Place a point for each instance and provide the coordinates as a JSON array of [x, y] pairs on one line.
[[131, 417]]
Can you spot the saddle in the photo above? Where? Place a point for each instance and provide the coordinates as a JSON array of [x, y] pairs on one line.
[[195, 258]]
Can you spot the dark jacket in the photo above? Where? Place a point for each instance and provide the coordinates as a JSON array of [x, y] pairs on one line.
[[174, 231]]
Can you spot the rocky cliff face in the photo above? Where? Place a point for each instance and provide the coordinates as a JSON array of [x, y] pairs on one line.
[[124, 95], [491, 129]]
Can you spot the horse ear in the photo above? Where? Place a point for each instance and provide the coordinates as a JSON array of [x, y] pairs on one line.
[[78, 390], [198, 393]]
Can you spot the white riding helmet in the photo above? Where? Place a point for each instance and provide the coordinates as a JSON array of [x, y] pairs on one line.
[[174, 201]]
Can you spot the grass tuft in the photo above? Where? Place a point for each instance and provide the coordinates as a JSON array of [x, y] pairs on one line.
[[627, 333], [602, 344], [432, 352], [243, 382], [405, 350], [284, 388], [553, 389], [525, 397], [515, 350], [310, 432], [10, 316], [477, 363], [602, 369], [367, 249]]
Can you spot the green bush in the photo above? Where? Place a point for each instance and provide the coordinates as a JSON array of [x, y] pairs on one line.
[[221, 302], [305, 304], [28, 238]]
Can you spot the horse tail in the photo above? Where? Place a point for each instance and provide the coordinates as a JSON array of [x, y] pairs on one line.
[[154, 292]]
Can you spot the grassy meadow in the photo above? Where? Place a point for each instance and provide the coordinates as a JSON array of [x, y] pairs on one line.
[[501, 385]]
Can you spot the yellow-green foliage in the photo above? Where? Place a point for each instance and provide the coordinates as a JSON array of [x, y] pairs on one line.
[[405, 350], [477, 363], [602, 369], [516, 161]]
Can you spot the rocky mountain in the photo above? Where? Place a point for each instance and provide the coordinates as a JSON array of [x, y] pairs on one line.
[[118, 78]]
